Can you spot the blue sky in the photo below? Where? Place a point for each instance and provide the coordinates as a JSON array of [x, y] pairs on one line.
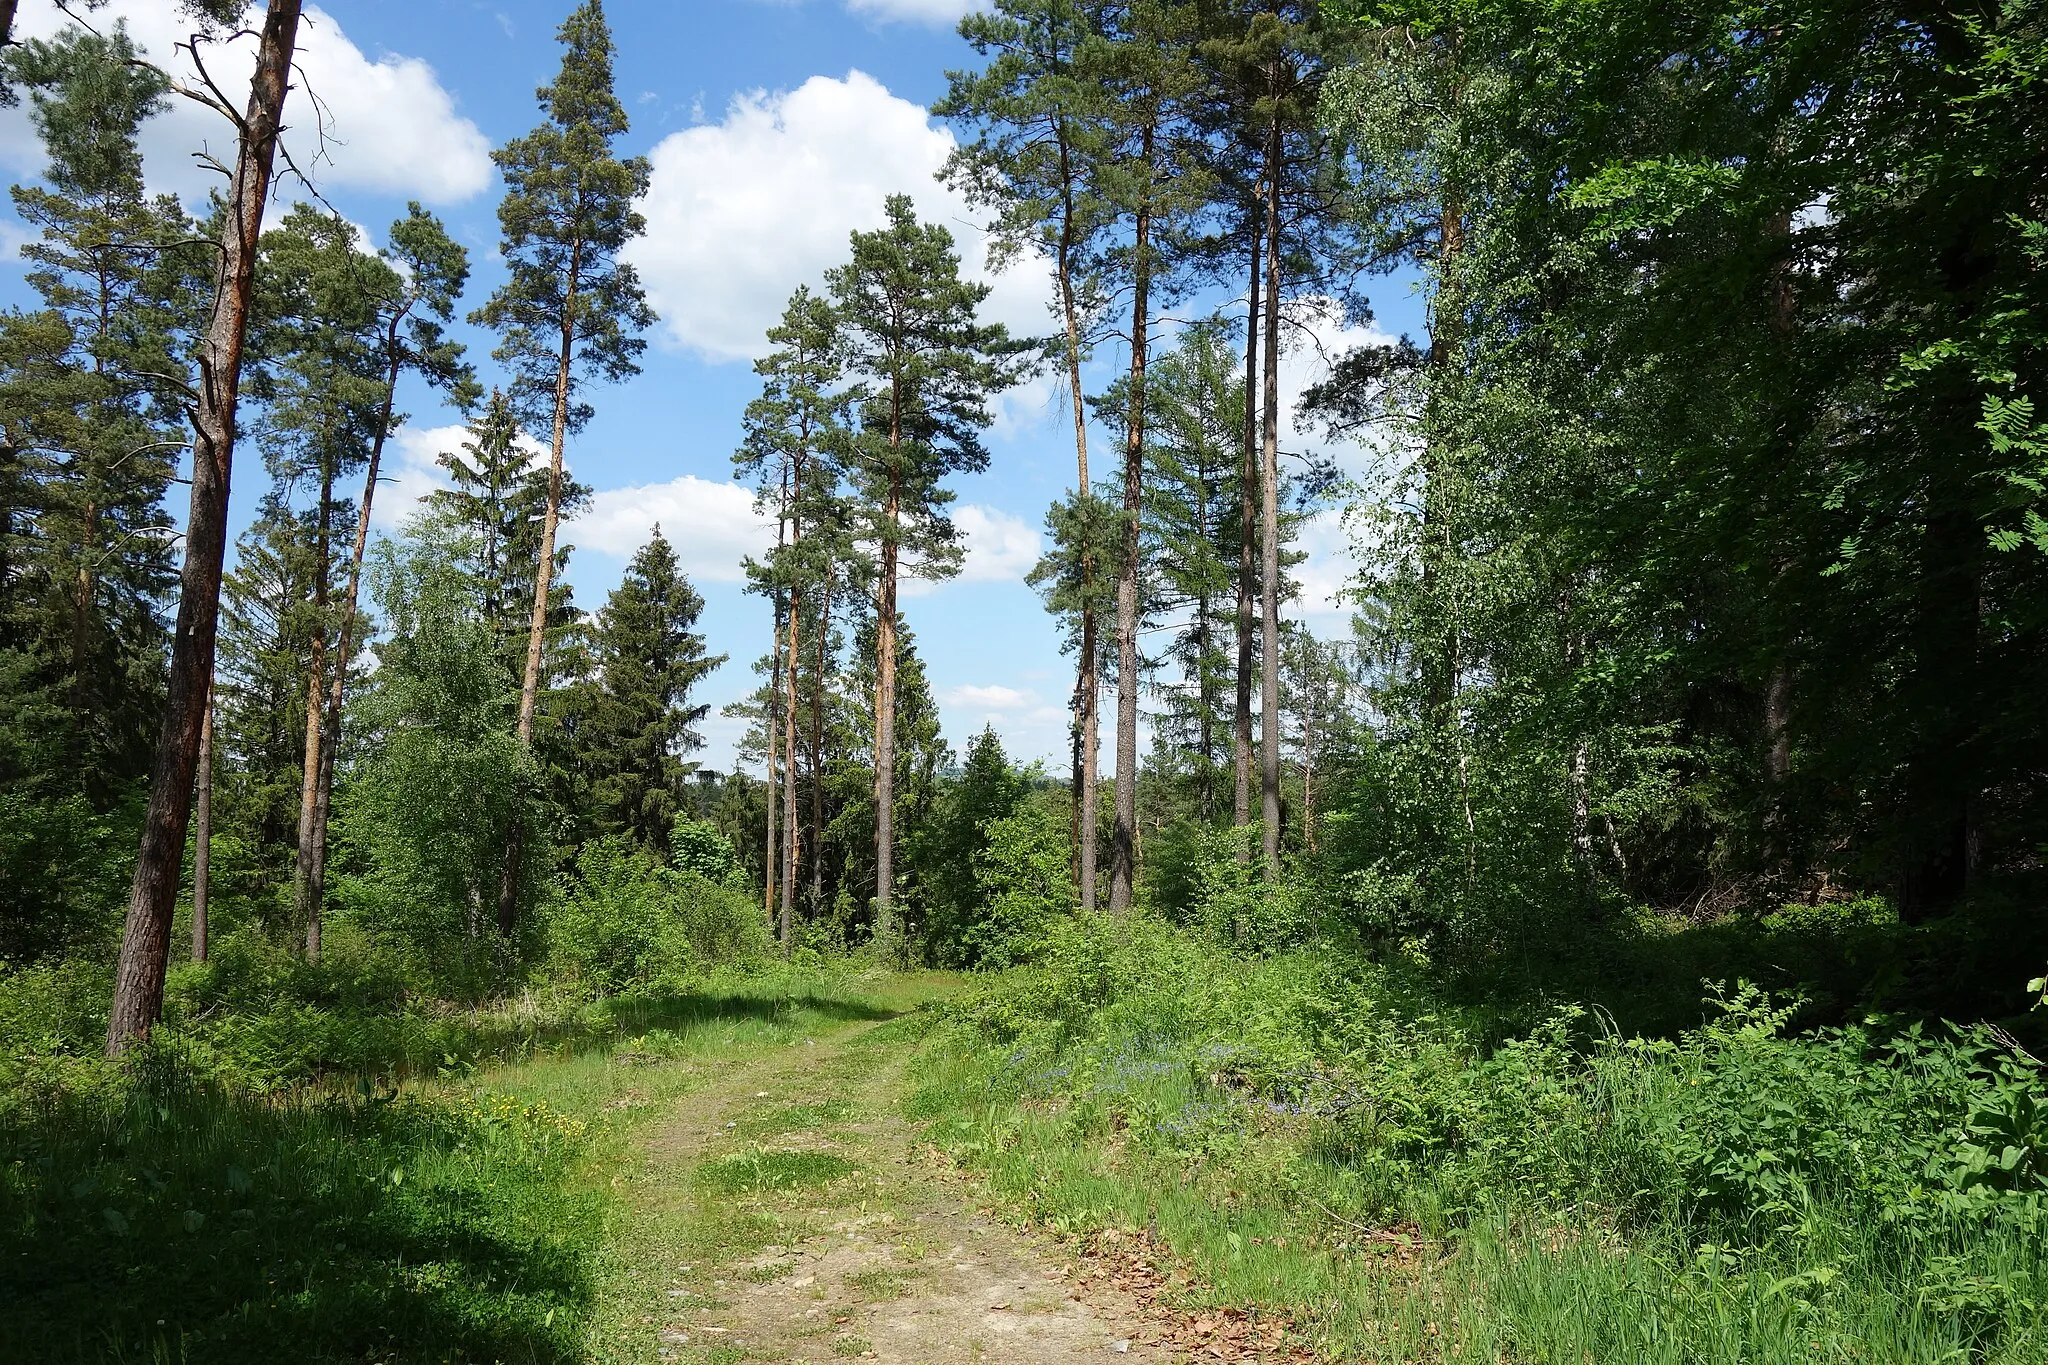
[[775, 127]]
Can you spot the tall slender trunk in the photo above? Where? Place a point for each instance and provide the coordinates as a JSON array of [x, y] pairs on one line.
[[885, 709], [771, 789], [1247, 564], [345, 631], [818, 749], [544, 577], [543, 582], [1269, 517], [1205, 787], [1087, 686], [7, 22], [202, 838], [1123, 864], [152, 900], [79, 693], [790, 841], [305, 891]]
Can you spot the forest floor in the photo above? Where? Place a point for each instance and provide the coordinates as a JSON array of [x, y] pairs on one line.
[[786, 1211]]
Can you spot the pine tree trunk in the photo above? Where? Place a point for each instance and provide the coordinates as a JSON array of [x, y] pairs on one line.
[[818, 750], [543, 581], [152, 901], [202, 838], [771, 788], [1247, 568], [345, 632], [789, 825], [771, 715], [1123, 866], [1087, 687], [1269, 523], [306, 891], [7, 8], [885, 717]]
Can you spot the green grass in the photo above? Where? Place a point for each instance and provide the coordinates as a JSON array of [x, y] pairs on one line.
[[176, 1211], [1326, 1147], [762, 1172]]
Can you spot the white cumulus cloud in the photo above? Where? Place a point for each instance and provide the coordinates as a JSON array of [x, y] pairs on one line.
[[742, 211], [994, 698], [1000, 547], [713, 526], [384, 123]]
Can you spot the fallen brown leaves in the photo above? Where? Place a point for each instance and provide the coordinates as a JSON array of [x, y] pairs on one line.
[[1136, 1263]]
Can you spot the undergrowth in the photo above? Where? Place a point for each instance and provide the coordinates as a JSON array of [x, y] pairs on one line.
[[1327, 1140], [304, 1165]]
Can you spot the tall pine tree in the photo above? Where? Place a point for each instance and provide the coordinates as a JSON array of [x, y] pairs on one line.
[[927, 369], [572, 310]]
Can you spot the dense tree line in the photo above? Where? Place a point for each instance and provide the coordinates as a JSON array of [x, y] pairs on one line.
[[1700, 530]]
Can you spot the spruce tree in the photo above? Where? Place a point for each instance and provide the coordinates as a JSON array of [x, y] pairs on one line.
[[571, 310], [497, 503], [987, 789], [641, 723], [927, 370], [1192, 502]]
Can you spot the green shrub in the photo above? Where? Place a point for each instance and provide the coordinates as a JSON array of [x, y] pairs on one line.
[[63, 870], [1024, 881], [621, 919], [701, 849]]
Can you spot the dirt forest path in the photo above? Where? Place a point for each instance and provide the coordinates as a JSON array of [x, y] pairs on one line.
[[784, 1212]]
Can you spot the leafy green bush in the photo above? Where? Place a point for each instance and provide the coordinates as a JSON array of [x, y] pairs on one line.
[[701, 849], [63, 869], [445, 786], [621, 919], [1024, 881]]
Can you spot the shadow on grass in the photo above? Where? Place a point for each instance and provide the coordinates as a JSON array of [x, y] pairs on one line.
[[699, 1009], [175, 1219], [181, 1222]]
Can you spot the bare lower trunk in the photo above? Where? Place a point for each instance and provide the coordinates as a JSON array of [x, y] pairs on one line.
[[1582, 812], [202, 838], [306, 888], [1123, 853], [771, 863], [1247, 570], [1090, 814], [1778, 725], [789, 828], [543, 578], [345, 630], [1087, 687], [885, 729], [1269, 526], [152, 901], [818, 752]]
